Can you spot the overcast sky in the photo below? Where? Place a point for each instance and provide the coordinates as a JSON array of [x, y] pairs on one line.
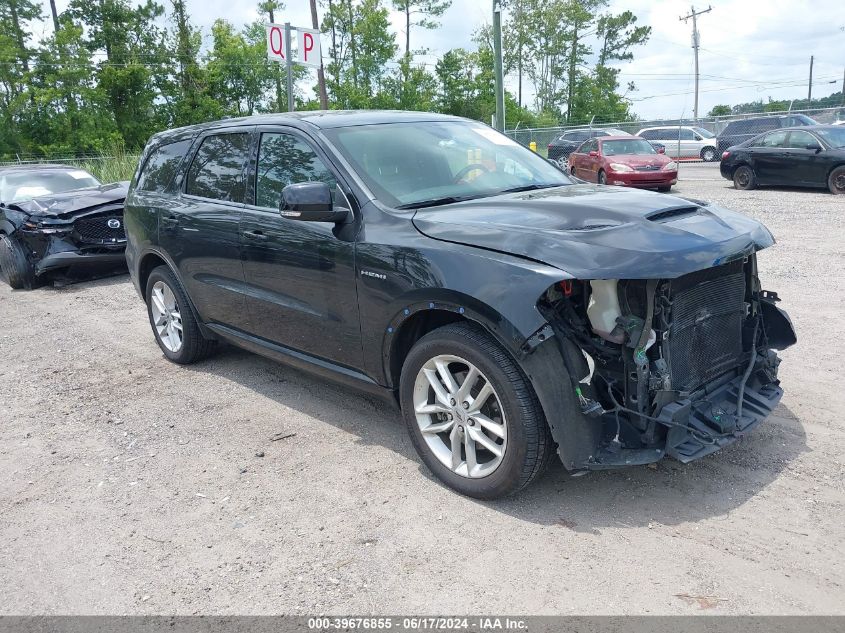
[[750, 49]]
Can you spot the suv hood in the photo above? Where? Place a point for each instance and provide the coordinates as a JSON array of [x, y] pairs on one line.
[[69, 203], [600, 232]]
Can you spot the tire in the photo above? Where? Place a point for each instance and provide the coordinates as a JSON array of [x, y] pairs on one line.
[[836, 180], [511, 407], [744, 178], [602, 177], [175, 328], [15, 268], [665, 189], [572, 171], [709, 154]]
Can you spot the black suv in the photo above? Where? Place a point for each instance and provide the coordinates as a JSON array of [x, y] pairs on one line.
[[742, 130], [512, 313]]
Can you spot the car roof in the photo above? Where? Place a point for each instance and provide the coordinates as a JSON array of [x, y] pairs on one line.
[[603, 139], [669, 126], [319, 119]]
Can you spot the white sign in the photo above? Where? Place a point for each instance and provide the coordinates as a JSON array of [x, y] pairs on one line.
[[276, 49], [309, 47]]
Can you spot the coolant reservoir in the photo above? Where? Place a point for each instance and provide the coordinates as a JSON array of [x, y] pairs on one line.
[[603, 310]]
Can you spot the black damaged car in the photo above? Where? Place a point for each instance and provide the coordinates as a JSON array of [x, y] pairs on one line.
[[511, 312], [56, 217]]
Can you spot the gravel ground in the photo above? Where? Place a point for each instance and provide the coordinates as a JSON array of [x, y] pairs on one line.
[[131, 485]]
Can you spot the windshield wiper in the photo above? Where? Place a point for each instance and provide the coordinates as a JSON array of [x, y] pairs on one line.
[[531, 187], [435, 202]]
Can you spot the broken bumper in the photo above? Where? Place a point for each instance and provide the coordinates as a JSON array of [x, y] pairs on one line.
[[74, 258]]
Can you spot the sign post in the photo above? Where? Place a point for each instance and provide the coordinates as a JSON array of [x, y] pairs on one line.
[[279, 49]]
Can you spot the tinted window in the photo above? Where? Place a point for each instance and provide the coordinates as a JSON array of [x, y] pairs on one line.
[[761, 125], [775, 139], [800, 119], [800, 140], [161, 166], [651, 135], [217, 170], [576, 136], [284, 160]]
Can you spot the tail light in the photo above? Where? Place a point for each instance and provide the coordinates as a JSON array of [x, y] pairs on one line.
[[550, 146], [725, 155]]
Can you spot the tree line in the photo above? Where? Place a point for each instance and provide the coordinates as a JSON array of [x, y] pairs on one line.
[[109, 73]]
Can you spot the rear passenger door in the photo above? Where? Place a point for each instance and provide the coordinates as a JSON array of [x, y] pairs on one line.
[[199, 230], [301, 282]]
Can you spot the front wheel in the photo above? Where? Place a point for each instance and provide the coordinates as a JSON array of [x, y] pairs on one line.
[[602, 178], [709, 154], [472, 415], [15, 268], [836, 180], [666, 189], [174, 325], [744, 178]]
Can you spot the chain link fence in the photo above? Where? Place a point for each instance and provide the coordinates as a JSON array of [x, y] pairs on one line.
[[686, 139]]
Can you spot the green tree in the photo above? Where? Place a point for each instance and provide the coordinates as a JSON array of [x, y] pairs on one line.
[[420, 13], [719, 110]]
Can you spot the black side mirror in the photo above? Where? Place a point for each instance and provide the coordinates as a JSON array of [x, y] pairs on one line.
[[815, 147], [310, 202]]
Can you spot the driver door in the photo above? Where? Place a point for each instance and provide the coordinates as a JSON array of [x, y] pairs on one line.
[[300, 276]]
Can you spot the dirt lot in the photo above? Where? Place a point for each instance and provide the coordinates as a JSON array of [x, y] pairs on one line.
[[131, 485]]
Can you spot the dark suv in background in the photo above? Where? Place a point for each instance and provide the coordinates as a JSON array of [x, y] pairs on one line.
[[569, 141], [742, 130], [511, 312]]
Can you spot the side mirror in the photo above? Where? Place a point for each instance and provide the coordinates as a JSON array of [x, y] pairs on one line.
[[815, 147], [661, 150], [594, 153], [310, 202]]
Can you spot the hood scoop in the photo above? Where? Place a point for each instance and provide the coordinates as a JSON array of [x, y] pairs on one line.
[[673, 214]]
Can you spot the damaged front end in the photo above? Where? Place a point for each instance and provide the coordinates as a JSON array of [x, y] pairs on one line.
[[68, 229], [680, 366]]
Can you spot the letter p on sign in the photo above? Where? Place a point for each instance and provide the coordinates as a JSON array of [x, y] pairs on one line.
[[309, 48]]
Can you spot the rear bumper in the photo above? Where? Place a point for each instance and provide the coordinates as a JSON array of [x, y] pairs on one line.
[[74, 258], [644, 180]]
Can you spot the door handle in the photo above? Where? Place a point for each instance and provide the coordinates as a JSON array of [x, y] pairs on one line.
[[169, 222], [255, 235]]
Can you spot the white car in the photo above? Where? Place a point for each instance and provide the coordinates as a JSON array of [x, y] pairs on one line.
[[683, 141]]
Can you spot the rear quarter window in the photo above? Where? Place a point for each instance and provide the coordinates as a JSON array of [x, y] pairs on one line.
[[161, 166]]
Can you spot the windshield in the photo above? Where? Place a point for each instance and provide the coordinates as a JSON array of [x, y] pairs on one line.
[[634, 146], [422, 164], [704, 133], [25, 185], [835, 137]]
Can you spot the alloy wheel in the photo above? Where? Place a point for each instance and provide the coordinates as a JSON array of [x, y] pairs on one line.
[[839, 183], [166, 316], [460, 416]]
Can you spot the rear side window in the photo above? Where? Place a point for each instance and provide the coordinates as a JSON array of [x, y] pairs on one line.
[[161, 166], [217, 171], [651, 135], [284, 160]]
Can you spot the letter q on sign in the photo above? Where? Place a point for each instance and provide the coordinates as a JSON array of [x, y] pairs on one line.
[[276, 42]]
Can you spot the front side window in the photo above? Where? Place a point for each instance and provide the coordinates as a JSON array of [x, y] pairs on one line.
[[800, 140], [161, 166], [410, 165], [217, 171], [284, 159]]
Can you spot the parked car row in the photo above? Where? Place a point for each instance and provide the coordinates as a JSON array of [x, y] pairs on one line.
[[53, 217], [512, 311]]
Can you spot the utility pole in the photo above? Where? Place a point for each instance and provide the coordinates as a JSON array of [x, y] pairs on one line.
[[321, 75], [497, 54], [810, 89], [843, 87], [695, 43]]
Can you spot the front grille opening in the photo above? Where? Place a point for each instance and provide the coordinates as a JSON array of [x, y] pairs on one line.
[[96, 230]]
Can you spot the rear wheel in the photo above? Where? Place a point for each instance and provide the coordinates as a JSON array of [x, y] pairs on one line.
[[472, 415], [602, 177], [836, 180], [744, 178], [174, 326], [709, 154], [15, 268]]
